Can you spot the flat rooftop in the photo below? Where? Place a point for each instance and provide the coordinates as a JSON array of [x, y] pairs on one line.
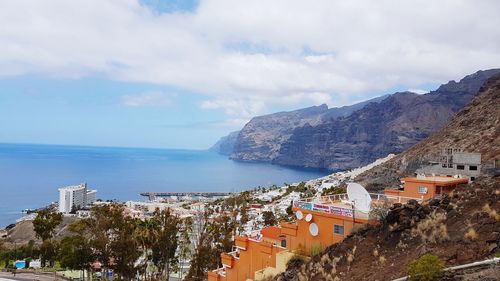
[[72, 187], [436, 179]]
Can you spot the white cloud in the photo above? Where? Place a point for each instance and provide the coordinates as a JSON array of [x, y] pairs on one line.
[[300, 52], [418, 91], [147, 99]]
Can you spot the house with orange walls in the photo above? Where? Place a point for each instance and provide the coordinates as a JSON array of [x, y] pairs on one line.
[[426, 187]]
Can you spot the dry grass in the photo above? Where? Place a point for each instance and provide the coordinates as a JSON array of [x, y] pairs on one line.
[[382, 260], [432, 229], [471, 234], [491, 212]]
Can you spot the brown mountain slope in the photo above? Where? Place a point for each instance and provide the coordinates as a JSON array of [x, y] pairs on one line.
[[475, 129], [459, 229]]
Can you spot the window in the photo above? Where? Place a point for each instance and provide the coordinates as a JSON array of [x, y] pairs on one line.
[[460, 167], [338, 229], [473, 168], [283, 243], [422, 189]]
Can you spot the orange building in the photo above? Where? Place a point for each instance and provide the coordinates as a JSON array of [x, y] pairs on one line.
[[424, 188]]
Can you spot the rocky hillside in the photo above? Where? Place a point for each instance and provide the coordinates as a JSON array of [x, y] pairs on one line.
[[262, 137], [474, 129], [459, 229], [378, 129]]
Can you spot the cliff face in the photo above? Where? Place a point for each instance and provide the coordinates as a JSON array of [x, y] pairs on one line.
[[390, 126], [225, 145], [474, 129], [261, 138]]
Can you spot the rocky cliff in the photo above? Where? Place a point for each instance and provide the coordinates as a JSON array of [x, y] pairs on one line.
[[225, 145], [262, 137], [474, 129], [389, 126]]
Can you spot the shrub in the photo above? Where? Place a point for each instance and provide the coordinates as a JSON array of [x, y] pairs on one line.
[[315, 249], [493, 214], [432, 229], [471, 234], [379, 211], [295, 262], [334, 190], [427, 268]]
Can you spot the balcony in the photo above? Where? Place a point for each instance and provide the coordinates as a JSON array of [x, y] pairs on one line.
[[340, 205]]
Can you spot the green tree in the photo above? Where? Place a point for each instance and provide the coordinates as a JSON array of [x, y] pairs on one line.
[[111, 238], [185, 247], [45, 224], [75, 253], [427, 268], [48, 252], [165, 246], [146, 234], [269, 218], [215, 238]]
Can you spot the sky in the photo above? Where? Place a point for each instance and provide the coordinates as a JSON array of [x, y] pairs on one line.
[[182, 73]]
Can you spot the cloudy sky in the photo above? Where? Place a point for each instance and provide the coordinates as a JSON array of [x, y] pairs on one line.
[[182, 73]]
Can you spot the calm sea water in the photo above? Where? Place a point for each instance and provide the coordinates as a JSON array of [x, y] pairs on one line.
[[31, 174]]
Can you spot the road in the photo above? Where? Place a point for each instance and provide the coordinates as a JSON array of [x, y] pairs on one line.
[[7, 276]]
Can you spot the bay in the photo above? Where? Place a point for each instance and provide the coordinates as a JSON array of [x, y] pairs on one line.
[[31, 174]]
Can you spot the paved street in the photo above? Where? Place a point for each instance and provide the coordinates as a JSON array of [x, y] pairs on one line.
[[7, 276]]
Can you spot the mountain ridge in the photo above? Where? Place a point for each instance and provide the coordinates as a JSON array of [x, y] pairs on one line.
[[369, 131]]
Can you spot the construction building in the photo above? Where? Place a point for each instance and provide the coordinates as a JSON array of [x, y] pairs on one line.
[[454, 162]]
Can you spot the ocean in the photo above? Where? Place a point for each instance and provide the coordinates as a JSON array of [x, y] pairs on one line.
[[31, 174]]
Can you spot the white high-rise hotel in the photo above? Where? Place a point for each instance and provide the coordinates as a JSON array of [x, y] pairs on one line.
[[75, 197]]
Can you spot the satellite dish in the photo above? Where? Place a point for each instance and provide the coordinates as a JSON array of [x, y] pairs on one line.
[[299, 215], [313, 229], [359, 197], [309, 217]]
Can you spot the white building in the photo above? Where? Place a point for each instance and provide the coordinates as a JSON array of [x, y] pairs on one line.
[[75, 197]]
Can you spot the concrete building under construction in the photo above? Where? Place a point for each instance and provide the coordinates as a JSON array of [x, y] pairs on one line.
[[454, 162]]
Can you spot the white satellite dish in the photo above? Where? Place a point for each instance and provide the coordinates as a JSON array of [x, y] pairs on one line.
[[313, 229], [299, 215], [309, 217], [359, 197]]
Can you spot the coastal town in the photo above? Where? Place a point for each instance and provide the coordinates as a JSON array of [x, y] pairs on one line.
[[278, 224]]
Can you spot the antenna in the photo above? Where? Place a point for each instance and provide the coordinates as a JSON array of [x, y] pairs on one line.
[[309, 217], [299, 215], [359, 197]]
